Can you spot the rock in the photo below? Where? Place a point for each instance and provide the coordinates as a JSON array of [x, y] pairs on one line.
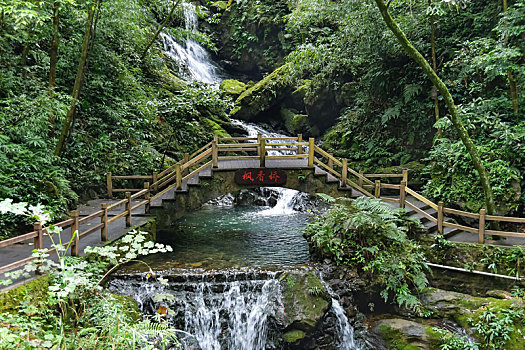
[[499, 294], [403, 334], [294, 336], [233, 87], [220, 5], [305, 301], [294, 123], [264, 95]]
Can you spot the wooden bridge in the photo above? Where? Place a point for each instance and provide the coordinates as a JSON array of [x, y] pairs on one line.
[[220, 158]]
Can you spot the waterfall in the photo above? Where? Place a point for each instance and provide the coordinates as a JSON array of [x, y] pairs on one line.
[[344, 331], [228, 309], [192, 59], [227, 312], [285, 202]]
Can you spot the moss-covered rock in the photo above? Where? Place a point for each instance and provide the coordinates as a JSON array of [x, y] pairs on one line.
[[305, 300], [264, 95], [212, 125], [294, 336], [400, 334], [233, 87], [294, 123], [468, 310], [35, 292]]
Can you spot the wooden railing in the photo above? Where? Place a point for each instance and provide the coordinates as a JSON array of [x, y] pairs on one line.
[[240, 148], [101, 220]]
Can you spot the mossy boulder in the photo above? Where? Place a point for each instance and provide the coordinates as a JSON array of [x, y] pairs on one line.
[[35, 292], [233, 87], [401, 334], [305, 301], [220, 5], [294, 123], [467, 310], [214, 127], [264, 95]]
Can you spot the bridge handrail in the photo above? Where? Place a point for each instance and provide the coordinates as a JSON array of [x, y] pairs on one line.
[[174, 176]]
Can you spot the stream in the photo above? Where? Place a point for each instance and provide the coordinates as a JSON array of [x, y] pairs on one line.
[[233, 266]]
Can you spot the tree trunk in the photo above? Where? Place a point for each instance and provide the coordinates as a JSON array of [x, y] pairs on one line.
[[78, 82], [162, 25], [434, 66], [53, 59], [513, 89], [449, 101]]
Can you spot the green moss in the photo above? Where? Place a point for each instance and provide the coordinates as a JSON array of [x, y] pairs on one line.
[[293, 336], [394, 339], [221, 5], [304, 308], [263, 95], [213, 126], [35, 292], [232, 87]]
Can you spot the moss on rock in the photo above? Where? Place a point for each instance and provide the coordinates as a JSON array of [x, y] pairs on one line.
[[294, 336], [263, 95], [233, 87], [36, 292], [305, 300]]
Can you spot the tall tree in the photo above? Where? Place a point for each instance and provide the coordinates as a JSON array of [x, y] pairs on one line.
[[77, 87], [512, 81], [449, 101], [159, 29], [53, 59]]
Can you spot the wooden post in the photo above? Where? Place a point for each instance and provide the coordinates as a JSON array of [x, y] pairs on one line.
[[178, 174], [186, 159], [128, 209], [110, 185], [360, 179], [440, 217], [405, 176], [214, 154], [481, 229], [74, 227], [259, 137], [300, 148], [155, 179], [147, 197], [402, 194], [344, 172], [331, 161], [311, 152], [377, 193], [262, 157], [104, 221], [38, 241]]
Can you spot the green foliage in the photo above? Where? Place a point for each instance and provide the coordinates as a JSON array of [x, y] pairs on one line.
[[453, 341], [372, 235], [77, 312], [500, 145], [131, 112], [495, 325]]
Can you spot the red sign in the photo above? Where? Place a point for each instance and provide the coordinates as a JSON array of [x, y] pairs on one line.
[[260, 177]]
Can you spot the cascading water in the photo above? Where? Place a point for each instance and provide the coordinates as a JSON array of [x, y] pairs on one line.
[[191, 58]]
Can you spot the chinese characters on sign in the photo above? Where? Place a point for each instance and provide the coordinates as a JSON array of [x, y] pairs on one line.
[[260, 177]]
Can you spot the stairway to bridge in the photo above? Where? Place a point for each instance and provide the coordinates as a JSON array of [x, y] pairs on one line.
[[206, 173]]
